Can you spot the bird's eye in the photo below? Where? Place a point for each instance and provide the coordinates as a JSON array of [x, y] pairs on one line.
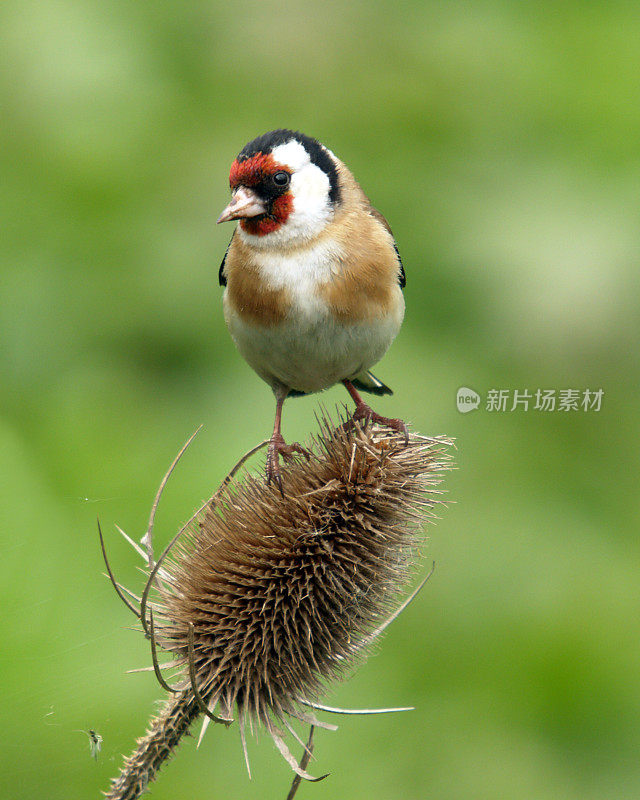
[[281, 178]]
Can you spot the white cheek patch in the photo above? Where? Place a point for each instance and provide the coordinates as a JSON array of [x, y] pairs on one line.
[[310, 187]]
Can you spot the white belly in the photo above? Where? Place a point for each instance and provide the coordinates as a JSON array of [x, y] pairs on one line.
[[311, 351]]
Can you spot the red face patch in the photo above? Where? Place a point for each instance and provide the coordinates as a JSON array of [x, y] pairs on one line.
[[281, 207], [256, 173], [252, 171]]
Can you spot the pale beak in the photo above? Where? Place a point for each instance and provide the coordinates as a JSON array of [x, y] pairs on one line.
[[244, 203]]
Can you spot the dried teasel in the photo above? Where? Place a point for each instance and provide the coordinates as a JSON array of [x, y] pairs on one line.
[[264, 599]]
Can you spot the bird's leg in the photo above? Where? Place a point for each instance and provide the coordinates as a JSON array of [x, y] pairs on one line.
[[366, 413], [278, 446]]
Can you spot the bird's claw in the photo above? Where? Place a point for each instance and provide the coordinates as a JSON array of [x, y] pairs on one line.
[[365, 413], [278, 447]]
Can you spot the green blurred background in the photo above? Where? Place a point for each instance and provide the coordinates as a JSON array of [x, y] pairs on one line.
[[501, 140]]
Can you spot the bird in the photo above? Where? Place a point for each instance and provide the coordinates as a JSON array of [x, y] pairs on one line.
[[313, 280]]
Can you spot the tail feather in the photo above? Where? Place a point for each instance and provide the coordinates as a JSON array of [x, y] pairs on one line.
[[364, 382], [367, 382]]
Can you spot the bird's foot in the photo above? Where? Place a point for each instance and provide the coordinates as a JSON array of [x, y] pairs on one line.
[[365, 413], [278, 447]]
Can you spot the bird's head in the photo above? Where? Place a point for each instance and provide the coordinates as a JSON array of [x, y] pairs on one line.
[[284, 189]]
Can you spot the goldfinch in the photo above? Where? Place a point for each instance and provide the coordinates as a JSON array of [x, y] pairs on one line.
[[313, 279]]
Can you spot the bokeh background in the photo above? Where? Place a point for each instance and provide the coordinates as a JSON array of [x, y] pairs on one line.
[[501, 140]]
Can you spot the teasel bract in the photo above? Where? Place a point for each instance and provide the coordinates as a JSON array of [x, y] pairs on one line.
[[263, 599]]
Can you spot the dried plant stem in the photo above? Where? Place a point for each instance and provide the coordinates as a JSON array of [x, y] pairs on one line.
[[155, 747]]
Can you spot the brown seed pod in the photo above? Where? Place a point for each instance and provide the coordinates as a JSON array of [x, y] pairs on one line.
[[264, 599]]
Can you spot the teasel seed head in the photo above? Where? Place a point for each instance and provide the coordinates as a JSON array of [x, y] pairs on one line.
[[265, 599]]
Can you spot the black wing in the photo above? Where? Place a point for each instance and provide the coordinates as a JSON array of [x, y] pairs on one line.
[[222, 278], [402, 278]]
